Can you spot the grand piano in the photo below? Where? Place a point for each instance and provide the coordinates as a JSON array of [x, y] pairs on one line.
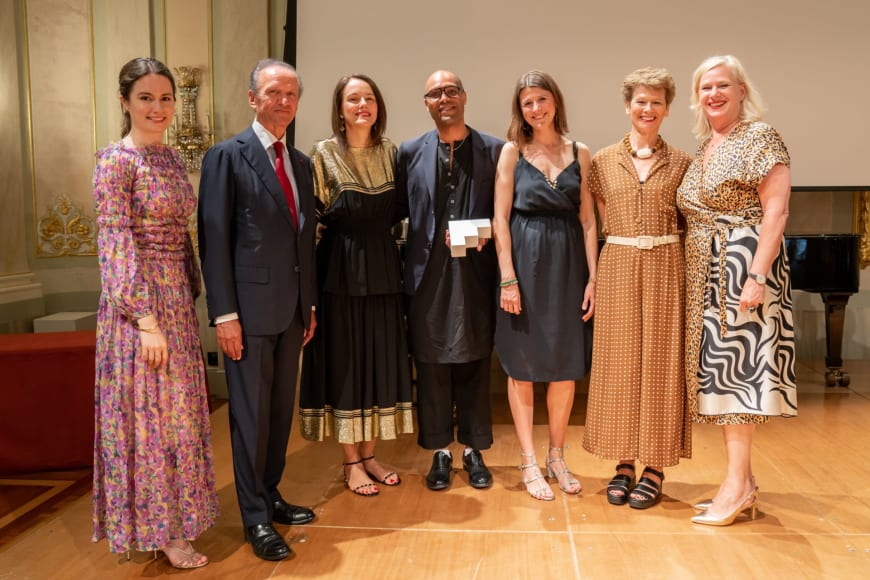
[[827, 264]]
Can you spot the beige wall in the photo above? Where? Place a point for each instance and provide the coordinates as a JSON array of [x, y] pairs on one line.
[[804, 57], [587, 46], [809, 60]]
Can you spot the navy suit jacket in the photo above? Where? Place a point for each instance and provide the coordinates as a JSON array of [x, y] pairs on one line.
[[253, 260], [416, 181]]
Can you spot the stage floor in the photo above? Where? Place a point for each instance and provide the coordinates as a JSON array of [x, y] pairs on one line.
[[814, 520]]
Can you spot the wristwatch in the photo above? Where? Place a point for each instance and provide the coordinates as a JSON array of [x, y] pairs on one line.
[[760, 278]]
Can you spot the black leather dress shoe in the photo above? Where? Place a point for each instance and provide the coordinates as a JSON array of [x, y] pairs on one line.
[[479, 475], [267, 543], [289, 514], [439, 473]]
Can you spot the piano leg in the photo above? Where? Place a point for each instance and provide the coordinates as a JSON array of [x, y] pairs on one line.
[[835, 314]]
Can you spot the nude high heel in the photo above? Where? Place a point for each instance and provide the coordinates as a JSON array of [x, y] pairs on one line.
[[749, 503], [705, 505]]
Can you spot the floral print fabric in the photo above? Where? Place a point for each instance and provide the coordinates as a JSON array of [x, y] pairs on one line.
[[153, 477]]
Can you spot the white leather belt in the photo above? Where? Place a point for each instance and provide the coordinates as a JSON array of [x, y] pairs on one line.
[[644, 242]]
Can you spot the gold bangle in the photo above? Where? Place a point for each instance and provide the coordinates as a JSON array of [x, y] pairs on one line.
[[151, 329], [592, 280]]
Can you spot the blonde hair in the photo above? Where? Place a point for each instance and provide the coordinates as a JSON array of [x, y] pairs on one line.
[[752, 108], [654, 78]]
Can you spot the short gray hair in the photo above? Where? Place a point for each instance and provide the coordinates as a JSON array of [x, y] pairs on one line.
[[266, 63]]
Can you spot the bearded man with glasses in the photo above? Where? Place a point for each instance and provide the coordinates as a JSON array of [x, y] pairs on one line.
[[443, 175]]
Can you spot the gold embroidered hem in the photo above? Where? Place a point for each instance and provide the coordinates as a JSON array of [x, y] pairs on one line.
[[357, 425]]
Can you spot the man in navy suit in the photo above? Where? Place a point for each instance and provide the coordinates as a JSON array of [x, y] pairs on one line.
[[443, 175], [256, 243]]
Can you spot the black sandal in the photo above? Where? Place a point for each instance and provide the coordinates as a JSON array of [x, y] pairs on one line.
[[364, 489], [649, 490], [386, 477], [620, 482]]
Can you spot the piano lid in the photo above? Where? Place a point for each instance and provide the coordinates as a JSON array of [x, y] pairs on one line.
[[824, 262]]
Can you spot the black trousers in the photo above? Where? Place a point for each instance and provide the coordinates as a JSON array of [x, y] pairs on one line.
[[439, 386], [262, 389]]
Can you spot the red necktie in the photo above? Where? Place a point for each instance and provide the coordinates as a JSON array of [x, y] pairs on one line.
[[285, 181]]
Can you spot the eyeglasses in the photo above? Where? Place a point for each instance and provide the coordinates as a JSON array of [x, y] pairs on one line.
[[451, 91]]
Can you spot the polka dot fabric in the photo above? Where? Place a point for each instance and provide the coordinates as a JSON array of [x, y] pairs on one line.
[[637, 404]]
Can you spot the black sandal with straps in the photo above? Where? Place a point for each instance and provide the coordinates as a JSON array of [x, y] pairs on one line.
[[386, 479], [364, 489], [649, 490], [620, 482]]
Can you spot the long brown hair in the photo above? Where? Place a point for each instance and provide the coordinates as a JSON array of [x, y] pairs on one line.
[[132, 72], [519, 131], [380, 124]]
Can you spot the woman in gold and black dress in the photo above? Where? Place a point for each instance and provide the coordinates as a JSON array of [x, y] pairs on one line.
[[356, 383]]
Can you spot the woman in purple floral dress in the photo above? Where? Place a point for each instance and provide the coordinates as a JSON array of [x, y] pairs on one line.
[[154, 486]]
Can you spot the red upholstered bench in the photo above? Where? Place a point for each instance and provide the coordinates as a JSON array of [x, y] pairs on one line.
[[46, 401]]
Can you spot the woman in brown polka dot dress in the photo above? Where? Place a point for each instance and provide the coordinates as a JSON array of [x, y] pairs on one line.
[[739, 322], [637, 404]]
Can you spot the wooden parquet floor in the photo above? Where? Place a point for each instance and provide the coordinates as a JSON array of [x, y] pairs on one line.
[[814, 519]]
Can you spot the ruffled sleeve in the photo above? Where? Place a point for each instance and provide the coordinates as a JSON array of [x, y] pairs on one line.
[[120, 269]]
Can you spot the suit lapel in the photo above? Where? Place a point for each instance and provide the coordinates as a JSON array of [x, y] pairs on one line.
[[305, 189], [430, 164], [252, 150]]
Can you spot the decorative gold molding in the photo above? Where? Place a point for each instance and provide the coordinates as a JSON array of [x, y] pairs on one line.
[[65, 231], [862, 225]]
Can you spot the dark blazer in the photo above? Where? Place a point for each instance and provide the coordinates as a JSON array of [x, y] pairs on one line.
[[253, 260], [416, 180]]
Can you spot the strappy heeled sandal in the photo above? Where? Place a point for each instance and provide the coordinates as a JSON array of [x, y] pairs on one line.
[[397, 481], [183, 558], [360, 489], [621, 482], [541, 491], [567, 482], [649, 490]]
